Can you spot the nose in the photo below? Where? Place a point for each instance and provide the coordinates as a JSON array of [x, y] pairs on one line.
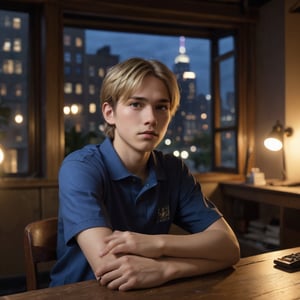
[[150, 116]]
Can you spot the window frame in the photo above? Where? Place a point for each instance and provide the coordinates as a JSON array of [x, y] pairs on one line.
[[218, 128], [195, 29], [52, 16]]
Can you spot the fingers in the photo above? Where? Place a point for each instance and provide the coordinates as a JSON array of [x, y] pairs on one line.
[[113, 247], [112, 279], [115, 243], [116, 282], [114, 275]]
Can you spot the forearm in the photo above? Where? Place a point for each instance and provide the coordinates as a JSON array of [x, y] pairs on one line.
[[175, 268], [128, 272], [91, 242], [203, 245]]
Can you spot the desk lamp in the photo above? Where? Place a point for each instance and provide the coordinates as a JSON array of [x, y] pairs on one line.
[[275, 142], [1, 154], [1, 158]]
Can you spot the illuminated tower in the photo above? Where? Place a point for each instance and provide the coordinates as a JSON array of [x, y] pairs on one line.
[[186, 123]]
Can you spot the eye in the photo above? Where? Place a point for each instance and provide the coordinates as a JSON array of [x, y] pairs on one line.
[[163, 107], [136, 104]]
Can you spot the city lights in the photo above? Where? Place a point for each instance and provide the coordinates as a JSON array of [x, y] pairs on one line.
[[74, 109], [168, 142], [67, 110], [19, 118]]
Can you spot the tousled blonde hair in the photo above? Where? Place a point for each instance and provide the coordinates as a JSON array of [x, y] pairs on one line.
[[126, 77]]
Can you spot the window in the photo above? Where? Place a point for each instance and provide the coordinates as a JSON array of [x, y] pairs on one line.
[[17, 23], [8, 66], [67, 40], [78, 58], [18, 67], [68, 88], [78, 42], [18, 90], [226, 120], [6, 45], [67, 57], [17, 45], [192, 131], [78, 88], [92, 108], [3, 90], [91, 89], [15, 95]]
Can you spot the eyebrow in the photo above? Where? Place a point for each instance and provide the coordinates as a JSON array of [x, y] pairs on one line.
[[163, 100]]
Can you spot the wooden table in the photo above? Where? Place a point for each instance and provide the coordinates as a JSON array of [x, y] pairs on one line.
[[252, 278]]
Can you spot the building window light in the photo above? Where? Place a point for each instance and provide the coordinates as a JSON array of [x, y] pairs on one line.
[[6, 45], [92, 108], [18, 67], [17, 45], [67, 40], [68, 88], [17, 23], [8, 66], [78, 42], [78, 88]]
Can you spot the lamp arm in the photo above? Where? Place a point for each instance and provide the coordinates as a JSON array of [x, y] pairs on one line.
[[284, 177]]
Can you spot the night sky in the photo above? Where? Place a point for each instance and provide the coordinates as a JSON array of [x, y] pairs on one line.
[[163, 48]]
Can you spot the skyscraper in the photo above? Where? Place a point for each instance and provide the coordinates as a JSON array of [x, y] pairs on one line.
[[186, 118]]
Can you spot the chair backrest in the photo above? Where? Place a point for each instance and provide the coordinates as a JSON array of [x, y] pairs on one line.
[[39, 246]]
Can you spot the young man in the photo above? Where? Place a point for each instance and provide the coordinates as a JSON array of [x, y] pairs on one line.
[[119, 199]]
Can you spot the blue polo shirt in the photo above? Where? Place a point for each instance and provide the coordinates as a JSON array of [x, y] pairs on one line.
[[96, 190]]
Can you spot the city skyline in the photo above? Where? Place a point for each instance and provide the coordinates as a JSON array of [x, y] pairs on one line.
[[145, 44]]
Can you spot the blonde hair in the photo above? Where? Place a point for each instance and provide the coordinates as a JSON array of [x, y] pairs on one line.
[[126, 77]]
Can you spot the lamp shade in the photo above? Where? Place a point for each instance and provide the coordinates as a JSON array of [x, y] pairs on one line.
[[1, 155], [274, 141], [273, 144]]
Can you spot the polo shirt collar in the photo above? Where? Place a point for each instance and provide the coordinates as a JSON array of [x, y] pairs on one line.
[[116, 168]]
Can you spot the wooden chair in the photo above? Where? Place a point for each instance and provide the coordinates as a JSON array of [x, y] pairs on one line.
[[39, 247]]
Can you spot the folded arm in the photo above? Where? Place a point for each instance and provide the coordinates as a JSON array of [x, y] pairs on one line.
[[127, 260], [204, 244]]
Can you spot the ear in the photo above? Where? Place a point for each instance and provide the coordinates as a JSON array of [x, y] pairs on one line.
[[108, 113]]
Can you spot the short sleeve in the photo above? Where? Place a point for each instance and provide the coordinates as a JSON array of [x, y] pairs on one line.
[[81, 191]]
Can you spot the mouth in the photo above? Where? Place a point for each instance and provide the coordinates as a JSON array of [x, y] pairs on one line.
[[149, 133]]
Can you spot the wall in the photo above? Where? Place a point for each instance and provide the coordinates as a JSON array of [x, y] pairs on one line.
[[292, 93], [18, 208], [277, 98]]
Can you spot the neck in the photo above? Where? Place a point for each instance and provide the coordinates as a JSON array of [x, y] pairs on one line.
[[136, 162]]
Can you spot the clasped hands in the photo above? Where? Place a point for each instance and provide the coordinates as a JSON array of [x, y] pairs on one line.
[[131, 261]]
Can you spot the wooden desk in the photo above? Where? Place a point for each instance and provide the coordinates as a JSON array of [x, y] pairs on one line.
[[253, 278], [287, 197], [286, 200]]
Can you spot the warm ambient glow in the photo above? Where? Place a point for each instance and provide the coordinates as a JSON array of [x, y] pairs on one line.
[[19, 118], [274, 141], [273, 144], [1, 155]]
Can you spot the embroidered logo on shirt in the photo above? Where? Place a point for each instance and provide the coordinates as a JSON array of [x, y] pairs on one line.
[[163, 214]]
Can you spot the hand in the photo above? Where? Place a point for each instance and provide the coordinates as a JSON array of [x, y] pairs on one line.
[[127, 242], [129, 272]]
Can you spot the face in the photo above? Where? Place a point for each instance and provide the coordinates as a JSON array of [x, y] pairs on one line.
[[142, 120]]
